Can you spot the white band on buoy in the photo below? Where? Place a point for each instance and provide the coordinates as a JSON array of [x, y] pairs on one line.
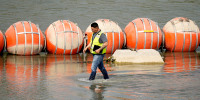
[[39, 37], [119, 36], [24, 37], [28, 33], [190, 39], [174, 34], [32, 37], [194, 32], [196, 39], [158, 35], [151, 32], [71, 36], [144, 32], [64, 36], [135, 34], [16, 47], [183, 36], [54, 26], [67, 32], [113, 43]]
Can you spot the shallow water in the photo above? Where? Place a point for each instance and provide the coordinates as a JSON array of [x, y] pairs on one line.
[[61, 77]]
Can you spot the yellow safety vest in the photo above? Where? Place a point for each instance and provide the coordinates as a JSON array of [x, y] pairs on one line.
[[96, 43]]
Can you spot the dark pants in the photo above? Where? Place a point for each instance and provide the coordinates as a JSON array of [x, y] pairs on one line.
[[98, 62]]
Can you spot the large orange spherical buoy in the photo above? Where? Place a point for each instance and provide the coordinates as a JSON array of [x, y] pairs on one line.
[[143, 33], [181, 34], [115, 36], [64, 37], [1, 41], [24, 38]]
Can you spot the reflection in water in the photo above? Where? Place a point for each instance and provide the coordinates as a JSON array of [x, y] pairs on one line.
[[56, 77], [89, 58], [24, 67], [22, 75], [139, 69], [64, 65], [181, 62], [97, 91], [33, 77], [1, 67]]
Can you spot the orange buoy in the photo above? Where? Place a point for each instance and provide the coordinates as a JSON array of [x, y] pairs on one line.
[[1, 41], [143, 33], [24, 38], [181, 34], [181, 62], [115, 36], [64, 37]]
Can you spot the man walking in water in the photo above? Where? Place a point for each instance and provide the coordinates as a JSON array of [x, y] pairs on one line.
[[97, 47]]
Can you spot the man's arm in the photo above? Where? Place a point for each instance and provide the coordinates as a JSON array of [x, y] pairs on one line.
[[88, 46]]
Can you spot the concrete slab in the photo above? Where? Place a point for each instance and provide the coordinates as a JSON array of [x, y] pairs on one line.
[[142, 56]]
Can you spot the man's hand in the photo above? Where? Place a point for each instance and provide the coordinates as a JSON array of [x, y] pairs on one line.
[[88, 46], [98, 50], [84, 50]]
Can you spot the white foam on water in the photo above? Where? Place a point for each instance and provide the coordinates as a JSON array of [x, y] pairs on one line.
[[83, 79], [94, 81]]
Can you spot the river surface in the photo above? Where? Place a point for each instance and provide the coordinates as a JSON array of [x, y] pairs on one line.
[[64, 77], [84, 12]]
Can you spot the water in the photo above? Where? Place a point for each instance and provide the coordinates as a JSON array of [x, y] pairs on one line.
[[84, 12], [58, 77], [64, 77]]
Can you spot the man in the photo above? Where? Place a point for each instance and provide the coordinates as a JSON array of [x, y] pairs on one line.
[[97, 47]]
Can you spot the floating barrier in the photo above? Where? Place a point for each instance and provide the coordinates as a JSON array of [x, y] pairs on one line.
[[24, 38], [181, 34], [64, 37], [115, 36], [1, 41], [143, 33], [181, 62]]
